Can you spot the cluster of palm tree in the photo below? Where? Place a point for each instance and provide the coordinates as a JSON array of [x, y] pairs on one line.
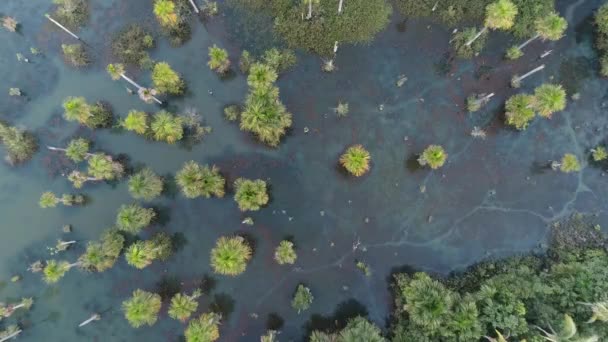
[[356, 160], [264, 114], [102, 254], [163, 126], [72, 13], [93, 116], [550, 27], [50, 200], [195, 180], [20, 145], [520, 109], [357, 329]]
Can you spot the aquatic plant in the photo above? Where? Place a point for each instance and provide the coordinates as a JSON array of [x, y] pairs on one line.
[[599, 153], [232, 112], [75, 55], [461, 38], [519, 111], [210, 8], [548, 99], [93, 116], [130, 45], [548, 27], [78, 150], [167, 127], [359, 23], [279, 60], [183, 305], [250, 194], [203, 329], [356, 160], [363, 267], [434, 156], [71, 13], [133, 218], [166, 80], [142, 308], [500, 15], [50, 200], [218, 59], [569, 163], [145, 185], [341, 109], [20, 145], [102, 255], [230, 255], [10, 23], [302, 298], [195, 180], [285, 253]]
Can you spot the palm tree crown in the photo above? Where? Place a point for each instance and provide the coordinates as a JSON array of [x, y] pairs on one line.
[[500, 14], [142, 308], [203, 329], [551, 26], [549, 98], [230, 255]]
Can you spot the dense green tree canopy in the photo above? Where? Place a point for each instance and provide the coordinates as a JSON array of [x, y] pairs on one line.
[[142, 308], [145, 185], [195, 180]]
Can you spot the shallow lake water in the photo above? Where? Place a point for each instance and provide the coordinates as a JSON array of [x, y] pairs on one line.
[[494, 197]]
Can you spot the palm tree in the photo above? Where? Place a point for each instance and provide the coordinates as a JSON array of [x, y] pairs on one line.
[[20, 144], [101, 255], [600, 311], [116, 71], [270, 336], [10, 332], [218, 59], [519, 111], [54, 270], [569, 163], [133, 218], [166, 80], [285, 253], [230, 255], [145, 185], [548, 27], [356, 160], [164, 10], [549, 98], [499, 15], [203, 329], [103, 167], [77, 109], [140, 254], [142, 308], [94, 317], [183, 306], [77, 150], [302, 299], [599, 153], [136, 121], [195, 180], [516, 80], [475, 101], [50, 200], [167, 127], [310, 3], [7, 310], [566, 333], [261, 76], [341, 109], [250, 194], [360, 329], [434, 156]]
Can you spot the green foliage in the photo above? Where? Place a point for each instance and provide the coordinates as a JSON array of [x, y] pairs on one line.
[[359, 22], [77, 150], [165, 12], [142, 253], [218, 59], [341, 109], [356, 160], [302, 298], [519, 111], [232, 112], [133, 218], [20, 144], [166, 80], [75, 55], [357, 329], [528, 12], [71, 13], [551, 26], [514, 52], [601, 39], [279, 60], [145, 185], [103, 167], [434, 156], [548, 99], [172, 15], [142, 308], [48, 200], [93, 116], [167, 127], [203, 329], [599, 153], [183, 306], [195, 180], [55, 270], [285, 253], [101, 255], [131, 43], [500, 15], [459, 42], [230, 255], [136, 121], [264, 114], [245, 61], [250, 194], [569, 163], [115, 71]]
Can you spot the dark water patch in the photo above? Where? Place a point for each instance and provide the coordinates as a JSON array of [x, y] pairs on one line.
[[574, 71]]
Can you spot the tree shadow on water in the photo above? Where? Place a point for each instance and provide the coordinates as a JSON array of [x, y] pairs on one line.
[[222, 304], [168, 286], [345, 311]]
